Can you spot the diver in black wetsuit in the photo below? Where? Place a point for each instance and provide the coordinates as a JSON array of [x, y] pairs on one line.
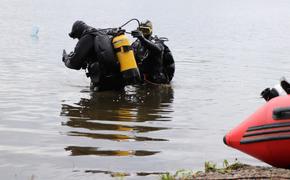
[[103, 71], [155, 61]]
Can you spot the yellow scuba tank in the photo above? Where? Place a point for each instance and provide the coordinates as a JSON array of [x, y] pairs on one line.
[[126, 58]]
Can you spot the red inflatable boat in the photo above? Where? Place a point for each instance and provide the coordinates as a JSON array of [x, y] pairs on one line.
[[265, 135]]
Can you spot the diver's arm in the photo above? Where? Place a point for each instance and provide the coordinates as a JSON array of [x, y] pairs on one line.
[[77, 59], [147, 43], [135, 48], [150, 45]]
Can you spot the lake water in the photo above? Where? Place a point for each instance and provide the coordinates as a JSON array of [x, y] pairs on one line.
[[52, 127]]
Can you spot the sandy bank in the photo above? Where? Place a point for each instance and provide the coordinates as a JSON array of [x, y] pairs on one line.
[[246, 172]]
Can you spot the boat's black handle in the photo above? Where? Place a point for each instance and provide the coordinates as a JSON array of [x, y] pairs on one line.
[[281, 113]]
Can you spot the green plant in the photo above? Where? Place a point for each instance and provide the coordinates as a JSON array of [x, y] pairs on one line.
[[119, 175], [227, 167], [210, 167], [180, 174], [167, 176]]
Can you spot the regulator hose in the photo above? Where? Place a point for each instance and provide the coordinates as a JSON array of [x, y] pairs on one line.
[[120, 28], [134, 19]]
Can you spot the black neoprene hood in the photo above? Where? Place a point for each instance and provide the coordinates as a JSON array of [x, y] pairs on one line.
[[77, 29]]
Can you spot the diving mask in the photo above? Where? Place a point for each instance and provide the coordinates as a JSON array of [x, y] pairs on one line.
[[145, 30]]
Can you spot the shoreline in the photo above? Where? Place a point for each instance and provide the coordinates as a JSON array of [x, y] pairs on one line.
[[234, 171], [246, 171]]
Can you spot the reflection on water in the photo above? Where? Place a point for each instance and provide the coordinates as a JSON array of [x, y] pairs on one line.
[[113, 137], [80, 151], [226, 51], [134, 104], [119, 116], [118, 174]]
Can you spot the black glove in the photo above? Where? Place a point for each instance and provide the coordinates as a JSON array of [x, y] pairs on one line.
[[64, 56], [137, 34]]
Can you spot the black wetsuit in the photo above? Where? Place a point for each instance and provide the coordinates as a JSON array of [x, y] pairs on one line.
[[83, 53], [103, 77], [149, 54]]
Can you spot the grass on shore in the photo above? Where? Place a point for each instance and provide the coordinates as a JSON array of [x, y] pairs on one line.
[[208, 167]]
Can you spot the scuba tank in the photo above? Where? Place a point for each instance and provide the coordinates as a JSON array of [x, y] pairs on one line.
[[126, 58]]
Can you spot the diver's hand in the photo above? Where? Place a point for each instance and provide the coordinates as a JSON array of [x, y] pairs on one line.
[[137, 34], [70, 54], [64, 56]]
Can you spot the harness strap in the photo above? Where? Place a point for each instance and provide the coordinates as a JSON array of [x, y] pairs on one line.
[[123, 49]]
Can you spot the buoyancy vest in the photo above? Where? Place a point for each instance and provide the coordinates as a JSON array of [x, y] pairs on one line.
[[168, 63], [104, 50], [104, 66], [168, 60]]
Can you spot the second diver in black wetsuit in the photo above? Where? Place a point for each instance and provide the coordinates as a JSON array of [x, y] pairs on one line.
[[155, 61]]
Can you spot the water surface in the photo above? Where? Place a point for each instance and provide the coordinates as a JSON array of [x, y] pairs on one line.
[[52, 127]]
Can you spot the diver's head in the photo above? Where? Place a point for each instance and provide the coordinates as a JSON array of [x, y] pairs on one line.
[[78, 29], [146, 28]]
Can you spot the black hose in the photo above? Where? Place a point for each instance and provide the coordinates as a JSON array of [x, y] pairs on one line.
[[134, 19], [119, 28]]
